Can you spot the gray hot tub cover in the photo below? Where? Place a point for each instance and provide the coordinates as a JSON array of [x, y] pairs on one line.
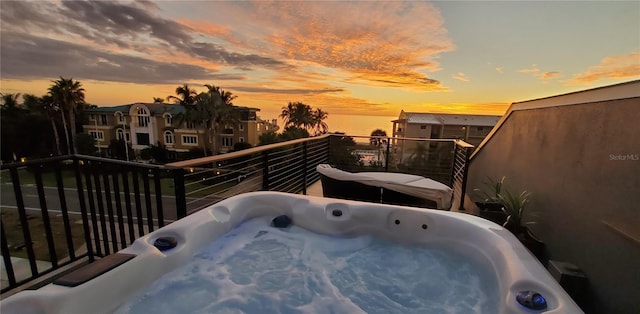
[[400, 182]]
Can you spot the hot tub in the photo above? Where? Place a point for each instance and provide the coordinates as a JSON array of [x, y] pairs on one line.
[[499, 268]]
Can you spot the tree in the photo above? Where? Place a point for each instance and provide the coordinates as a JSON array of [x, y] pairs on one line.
[[318, 117], [85, 144], [46, 107], [217, 110], [293, 133], [376, 137], [302, 116], [158, 100], [68, 94], [341, 153], [159, 153], [186, 96], [267, 138], [117, 149], [297, 114], [10, 101], [22, 134]]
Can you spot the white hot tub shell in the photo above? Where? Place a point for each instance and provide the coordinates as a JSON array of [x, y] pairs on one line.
[[481, 240]]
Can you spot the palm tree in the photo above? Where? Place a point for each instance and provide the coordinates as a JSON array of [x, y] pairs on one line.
[[376, 137], [318, 123], [186, 95], [190, 116], [297, 114], [217, 110], [226, 96], [46, 107], [68, 94], [158, 100], [10, 101]]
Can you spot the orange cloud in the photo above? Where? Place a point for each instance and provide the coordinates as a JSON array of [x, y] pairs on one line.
[[368, 40], [499, 70], [549, 75], [536, 72], [614, 67]]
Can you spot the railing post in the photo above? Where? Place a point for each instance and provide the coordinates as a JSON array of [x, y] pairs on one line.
[[23, 221], [265, 170], [83, 209], [453, 164], [304, 168], [386, 159], [463, 188], [180, 193]]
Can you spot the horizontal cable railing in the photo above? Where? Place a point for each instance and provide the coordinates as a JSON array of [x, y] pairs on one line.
[[285, 167]]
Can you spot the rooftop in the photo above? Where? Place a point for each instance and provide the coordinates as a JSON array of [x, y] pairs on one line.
[[448, 119]]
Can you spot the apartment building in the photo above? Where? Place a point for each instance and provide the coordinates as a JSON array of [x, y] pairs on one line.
[[470, 128], [145, 124]]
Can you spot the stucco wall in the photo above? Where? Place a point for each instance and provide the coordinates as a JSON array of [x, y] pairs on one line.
[[581, 162]]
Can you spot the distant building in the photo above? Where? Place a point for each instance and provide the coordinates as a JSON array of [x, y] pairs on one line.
[[145, 124], [470, 128]]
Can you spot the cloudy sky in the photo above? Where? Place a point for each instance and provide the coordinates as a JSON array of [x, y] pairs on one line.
[[347, 57]]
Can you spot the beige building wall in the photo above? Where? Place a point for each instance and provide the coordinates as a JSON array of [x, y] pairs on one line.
[[182, 140], [582, 165]]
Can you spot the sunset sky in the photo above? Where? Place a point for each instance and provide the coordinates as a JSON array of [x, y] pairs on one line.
[[346, 57]]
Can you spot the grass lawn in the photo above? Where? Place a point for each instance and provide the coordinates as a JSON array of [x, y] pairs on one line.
[[15, 239]]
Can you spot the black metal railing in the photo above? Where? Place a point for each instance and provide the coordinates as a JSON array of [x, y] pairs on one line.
[[285, 167], [459, 170], [67, 209], [71, 209]]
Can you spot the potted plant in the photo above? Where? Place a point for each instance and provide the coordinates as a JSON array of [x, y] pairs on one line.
[[490, 207], [514, 205]]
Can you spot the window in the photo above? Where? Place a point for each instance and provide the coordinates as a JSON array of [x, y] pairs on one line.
[[143, 117], [168, 119], [97, 135], [191, 125], [92, 117], [168, 137], [241, 139], [241, 127], [143, 138], [120, 134], [103, 119], [227, 141], [423, 127], [189, 140], [120, 117]]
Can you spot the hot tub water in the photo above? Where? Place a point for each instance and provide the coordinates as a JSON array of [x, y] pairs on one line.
[[259, 269]]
